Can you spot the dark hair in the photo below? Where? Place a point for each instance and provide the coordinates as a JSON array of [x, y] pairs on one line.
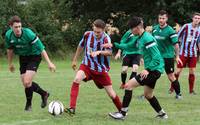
[[99, 23], [195, 14], [163, 12], [14, 19], [134, 21]]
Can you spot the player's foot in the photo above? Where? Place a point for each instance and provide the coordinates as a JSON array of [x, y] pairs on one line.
[[28, 107], [70, 111], [162, 116], [179, 96], [122, 86], [117, 115], [193, 92], [44, 100]]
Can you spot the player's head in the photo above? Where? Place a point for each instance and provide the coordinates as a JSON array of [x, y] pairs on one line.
[[162, 18], [196, 18], [136, 25], [98, 27], [16, 25]]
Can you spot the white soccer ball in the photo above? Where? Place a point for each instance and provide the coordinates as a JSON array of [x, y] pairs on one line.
[[56, 108]]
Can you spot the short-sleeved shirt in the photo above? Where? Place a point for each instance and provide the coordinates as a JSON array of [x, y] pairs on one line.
[[89, 42], [166, 39], [27, 44], [151, 55], [129, 37], [188, 37]]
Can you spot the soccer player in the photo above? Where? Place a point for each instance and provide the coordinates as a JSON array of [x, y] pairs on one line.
[[25, 43], [188, 37], [131, 57], [154, 66], [95, 64], [168, 43]]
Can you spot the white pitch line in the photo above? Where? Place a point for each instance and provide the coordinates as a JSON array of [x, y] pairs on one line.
[[26, 122]]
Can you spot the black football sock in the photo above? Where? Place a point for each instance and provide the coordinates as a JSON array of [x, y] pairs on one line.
[[123, 77], [155, 104], [29, 95], [126, 101], [176, 87], [133, 74], [36, 88]]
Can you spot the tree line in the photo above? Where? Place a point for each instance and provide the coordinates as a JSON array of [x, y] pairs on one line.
[[61, 23]]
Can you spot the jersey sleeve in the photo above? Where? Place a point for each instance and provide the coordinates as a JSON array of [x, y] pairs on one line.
[[83, 40], [107, 39], [125, 37], [173, 36], [152, 49], [8, 45], [35, 41], [181, 31]]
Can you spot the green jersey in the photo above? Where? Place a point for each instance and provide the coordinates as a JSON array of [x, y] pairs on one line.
[[166, 38], [128, 37], [151, 55], [27, 44]]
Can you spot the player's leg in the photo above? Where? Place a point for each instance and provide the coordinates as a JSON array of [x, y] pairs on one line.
[[135, 62], [125, 64], [178, 71], [80, 76], [191, 78], [148, 93], [149, 85], [169, 69], [130, 85], [115, 98]]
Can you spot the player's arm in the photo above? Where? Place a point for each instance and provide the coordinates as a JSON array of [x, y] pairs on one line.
[[118, 55], [101, 52], [154, 52], [10, 54], [77, 54], [51, 66]]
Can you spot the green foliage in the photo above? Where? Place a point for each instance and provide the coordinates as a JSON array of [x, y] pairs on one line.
[[60, 24]]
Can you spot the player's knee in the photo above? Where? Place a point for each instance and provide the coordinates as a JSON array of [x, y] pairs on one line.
[[77, 80], [124, 71], [27, 82], [148, 95]]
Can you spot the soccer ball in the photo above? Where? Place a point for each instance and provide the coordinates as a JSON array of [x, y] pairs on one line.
[[56, 108]]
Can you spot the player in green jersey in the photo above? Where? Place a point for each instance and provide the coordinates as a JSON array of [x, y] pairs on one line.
[[154, 66], [25, 43], [131, 57], [168, 44]]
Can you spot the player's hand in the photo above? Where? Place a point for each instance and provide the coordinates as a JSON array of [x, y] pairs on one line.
[[107, 45], [178, 60], [117, 56], [95, 53], [144, 74], [74, 65], [12, 68], [52, 67]]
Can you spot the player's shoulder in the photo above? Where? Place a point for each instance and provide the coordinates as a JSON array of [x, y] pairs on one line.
[[87, 33], [27, 30], [170, 29], [9, 32], [147, 37], [155, 28]]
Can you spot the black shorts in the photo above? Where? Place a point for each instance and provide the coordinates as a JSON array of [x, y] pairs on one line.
[[29, 63], [169, 65], [131, 59], [151, 79]]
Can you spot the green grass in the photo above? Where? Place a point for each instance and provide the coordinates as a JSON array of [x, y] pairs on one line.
[[93, 104]]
